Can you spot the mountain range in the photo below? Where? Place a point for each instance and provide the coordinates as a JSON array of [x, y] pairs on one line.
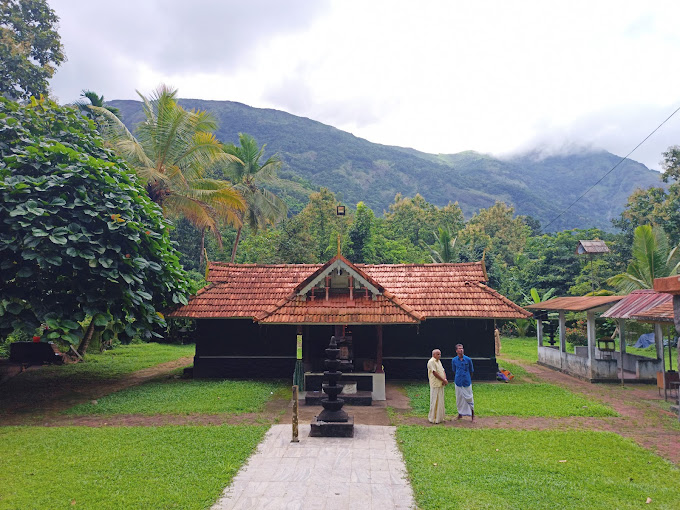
[[317, 155]]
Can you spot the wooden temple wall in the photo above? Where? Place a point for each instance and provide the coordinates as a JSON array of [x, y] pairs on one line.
[[239, 348]]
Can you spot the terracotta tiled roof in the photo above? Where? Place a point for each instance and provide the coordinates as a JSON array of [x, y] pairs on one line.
[[244, 290], [410, 293], [412, 277]]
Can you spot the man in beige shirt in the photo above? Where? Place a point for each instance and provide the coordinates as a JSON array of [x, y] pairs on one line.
[[437, 377]]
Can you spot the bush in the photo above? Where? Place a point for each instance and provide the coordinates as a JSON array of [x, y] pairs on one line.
[[577, 336]]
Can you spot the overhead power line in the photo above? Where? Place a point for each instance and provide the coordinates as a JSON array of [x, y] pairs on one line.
[[610, 170]]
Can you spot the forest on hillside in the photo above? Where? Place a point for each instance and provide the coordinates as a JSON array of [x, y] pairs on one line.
[[314, 155]]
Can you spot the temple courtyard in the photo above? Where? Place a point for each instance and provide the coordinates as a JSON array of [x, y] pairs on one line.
[[126, 430]]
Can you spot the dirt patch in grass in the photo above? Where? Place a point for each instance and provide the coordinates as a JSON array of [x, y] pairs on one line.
[[40, 404]]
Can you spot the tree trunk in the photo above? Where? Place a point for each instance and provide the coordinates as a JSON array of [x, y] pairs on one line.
[[233, 252], [201, 255], [86, 339]]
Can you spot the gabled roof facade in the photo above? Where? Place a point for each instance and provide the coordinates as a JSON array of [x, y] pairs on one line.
[[380, 294]]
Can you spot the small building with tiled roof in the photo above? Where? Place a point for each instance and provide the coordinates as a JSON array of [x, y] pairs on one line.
[[250, 317]]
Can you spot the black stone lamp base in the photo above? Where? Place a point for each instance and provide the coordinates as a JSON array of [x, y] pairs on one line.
[[332, 429]]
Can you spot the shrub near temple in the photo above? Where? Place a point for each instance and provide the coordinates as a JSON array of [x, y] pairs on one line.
[[78, 236]]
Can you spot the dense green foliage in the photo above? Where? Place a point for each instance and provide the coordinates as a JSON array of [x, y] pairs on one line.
[[30, 47], [452, 468], [121, 467], [79, 236], [178, 396], [372, 173]]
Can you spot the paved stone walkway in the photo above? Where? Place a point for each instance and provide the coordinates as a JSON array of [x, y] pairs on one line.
[[365, 472]]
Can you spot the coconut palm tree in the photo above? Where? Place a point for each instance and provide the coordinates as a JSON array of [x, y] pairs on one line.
[[444, 249], [249, 174], [170, 153], [94, 100], [652, 258]]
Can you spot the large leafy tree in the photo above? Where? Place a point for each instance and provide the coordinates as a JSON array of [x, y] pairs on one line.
[[417, 220], [321, 222], [171, 152], [250, 172], [361, 249], [30, 47], [79, 236], [652, 258]]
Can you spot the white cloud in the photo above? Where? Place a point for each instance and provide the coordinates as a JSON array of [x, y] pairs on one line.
[[439, 76]]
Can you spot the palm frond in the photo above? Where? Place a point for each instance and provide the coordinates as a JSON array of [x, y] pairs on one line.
[[121, 138], [198, 213]]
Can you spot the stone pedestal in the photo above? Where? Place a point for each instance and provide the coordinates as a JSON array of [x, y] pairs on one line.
[[332, 428]]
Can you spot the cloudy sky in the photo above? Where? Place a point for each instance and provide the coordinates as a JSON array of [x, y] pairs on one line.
[[494, 76]]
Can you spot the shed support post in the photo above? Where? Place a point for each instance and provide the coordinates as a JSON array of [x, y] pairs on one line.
[[622, 336], [622, 345], [658, 340], [379, 353], [590, 331], [563, 332], [539, 332]]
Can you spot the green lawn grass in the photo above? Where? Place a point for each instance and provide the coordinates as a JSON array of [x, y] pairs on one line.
[[522, 348], [512, 399], [498, 469], [177, 396], [128, 467], [520, 397]]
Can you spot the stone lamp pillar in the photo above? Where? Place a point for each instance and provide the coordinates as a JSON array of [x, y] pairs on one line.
[[333, 421]]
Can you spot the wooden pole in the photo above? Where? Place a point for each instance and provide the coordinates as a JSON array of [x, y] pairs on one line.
[[379, 354], [295, 415]]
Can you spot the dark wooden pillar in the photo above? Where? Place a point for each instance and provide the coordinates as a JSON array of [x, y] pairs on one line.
[[379, 353]]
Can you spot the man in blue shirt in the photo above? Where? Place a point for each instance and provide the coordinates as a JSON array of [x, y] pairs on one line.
[[462, 377]]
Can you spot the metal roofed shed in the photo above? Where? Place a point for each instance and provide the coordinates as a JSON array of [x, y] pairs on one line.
[[594, 246], [631, 307], [637, 302], [591, 363], [575, 304], [661, 315]]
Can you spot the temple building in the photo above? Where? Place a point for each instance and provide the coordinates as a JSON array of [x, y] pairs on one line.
[[387, 319]]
